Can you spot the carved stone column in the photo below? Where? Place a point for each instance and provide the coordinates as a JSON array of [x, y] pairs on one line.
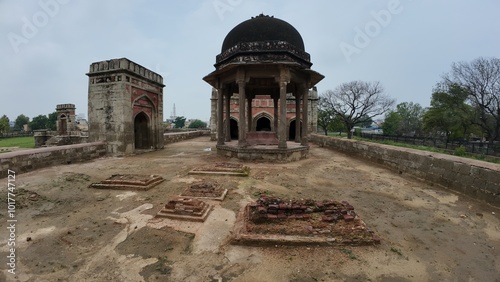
[[297, 115], [228, 114], [276, 115], [282, 116], [213, 115], [242, 123], [220, 117], [249, 113], [305, 122]]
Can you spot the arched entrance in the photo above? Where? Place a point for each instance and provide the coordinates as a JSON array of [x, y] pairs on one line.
[[233, 129], [141, 131], [291, 130], [263, 124], [63, 125]]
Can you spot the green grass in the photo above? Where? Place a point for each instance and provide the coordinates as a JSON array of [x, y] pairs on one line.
[[21, 142], [432, 149]]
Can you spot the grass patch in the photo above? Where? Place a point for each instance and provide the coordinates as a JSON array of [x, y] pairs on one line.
[[397, 251], [21, 142], [460, 151], [349, 253]]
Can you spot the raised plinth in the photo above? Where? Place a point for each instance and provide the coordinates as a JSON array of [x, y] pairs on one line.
[[265, 153], [185, 209], [271, 221], [231, 169], [129, 182], [205, 189]]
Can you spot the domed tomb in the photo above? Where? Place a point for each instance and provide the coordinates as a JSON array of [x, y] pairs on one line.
[[260, 96], [263, 38]]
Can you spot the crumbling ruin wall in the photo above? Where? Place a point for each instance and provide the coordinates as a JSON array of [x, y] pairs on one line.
[[475, 178], [28, 160]]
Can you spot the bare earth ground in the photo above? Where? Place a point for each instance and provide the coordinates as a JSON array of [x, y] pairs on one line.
[[82, 234]]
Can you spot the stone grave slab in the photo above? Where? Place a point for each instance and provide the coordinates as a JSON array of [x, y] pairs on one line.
[[129, 182], [205, 189], [186, 209], [231, 169], [277, 221]]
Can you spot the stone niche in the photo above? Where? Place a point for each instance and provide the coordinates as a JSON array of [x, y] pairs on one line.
[[125, 106]]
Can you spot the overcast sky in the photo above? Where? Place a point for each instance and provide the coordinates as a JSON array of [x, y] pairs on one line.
[[47, 46]]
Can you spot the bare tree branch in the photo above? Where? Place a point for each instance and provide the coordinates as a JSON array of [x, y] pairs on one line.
[[355, 101], [481, 79]]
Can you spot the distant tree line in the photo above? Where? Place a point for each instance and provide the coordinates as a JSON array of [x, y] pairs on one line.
[[39, 122], [465, 104]]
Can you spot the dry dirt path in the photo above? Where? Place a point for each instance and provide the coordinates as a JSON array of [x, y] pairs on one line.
[[68, 232]]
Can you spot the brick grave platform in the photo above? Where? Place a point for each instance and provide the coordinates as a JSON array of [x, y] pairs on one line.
[[272, 220], [129, 182], [261, 138], [222, 169], [185, 209], [206, 189]]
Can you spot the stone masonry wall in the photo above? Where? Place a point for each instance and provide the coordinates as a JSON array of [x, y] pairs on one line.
[[474, 178], [28, 160], [181, 136]]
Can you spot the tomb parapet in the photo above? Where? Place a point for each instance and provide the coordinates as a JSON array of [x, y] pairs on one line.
[[128, 66]]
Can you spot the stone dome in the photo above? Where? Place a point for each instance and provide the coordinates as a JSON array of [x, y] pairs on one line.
[[263, 28]]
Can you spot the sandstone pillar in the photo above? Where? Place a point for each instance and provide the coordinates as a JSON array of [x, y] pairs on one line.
[[242, 123], [249, 113], [220, 123], [228, 114], [282, 116], [297, 115], [305, 122], [276, 115]]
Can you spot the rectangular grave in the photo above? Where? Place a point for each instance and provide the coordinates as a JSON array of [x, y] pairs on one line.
[[206, 189], [185, 209], [222, 169], [129, 182], [272, 220]]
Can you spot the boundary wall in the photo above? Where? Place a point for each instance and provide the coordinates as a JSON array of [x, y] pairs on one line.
[[478, 179]]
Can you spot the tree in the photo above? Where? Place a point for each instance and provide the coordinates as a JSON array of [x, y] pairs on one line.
[[411, 118], [405, 120], [449, 115], [4, 124], [353, 102], [179, 122], [391, 123], [481, 81], [52, 122], [39, 122], [21, 120], [365, 121], [325, 119], [197, 124]]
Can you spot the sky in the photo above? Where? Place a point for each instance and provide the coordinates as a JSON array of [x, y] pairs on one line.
[[47, 46]]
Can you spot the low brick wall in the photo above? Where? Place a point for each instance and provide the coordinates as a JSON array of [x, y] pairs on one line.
[[475, 178], [28, 160], [181, 136]]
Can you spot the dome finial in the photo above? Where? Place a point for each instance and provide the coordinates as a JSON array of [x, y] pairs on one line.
[[261, 15]]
